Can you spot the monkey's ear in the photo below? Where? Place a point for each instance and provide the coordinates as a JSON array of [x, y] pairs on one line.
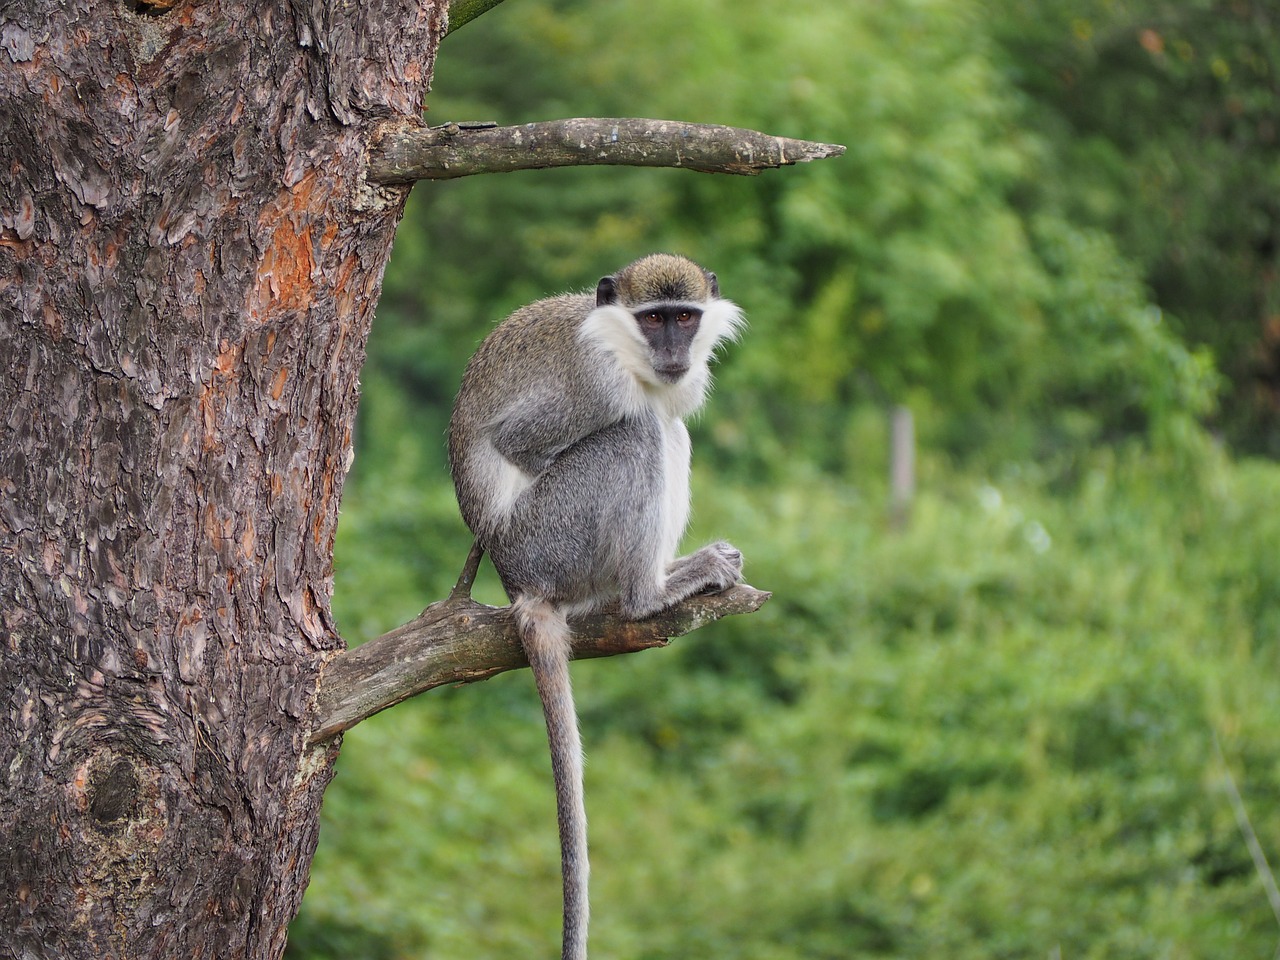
[[714, 284], [606, 292]]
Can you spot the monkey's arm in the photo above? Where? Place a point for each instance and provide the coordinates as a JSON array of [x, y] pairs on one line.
[[535, 430]]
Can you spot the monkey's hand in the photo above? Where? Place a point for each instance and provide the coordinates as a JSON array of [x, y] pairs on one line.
[[711, 569], [722, 564]]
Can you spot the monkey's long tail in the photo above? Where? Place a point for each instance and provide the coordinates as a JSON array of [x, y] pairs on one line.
[[544, 634]]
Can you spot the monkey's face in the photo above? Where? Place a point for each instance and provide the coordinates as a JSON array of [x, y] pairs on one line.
[[669, 329], [661, 318]]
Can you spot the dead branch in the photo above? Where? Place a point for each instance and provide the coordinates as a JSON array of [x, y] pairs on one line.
[[405, 153]]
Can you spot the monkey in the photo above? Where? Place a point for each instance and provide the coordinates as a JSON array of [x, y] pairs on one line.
[[570, 458]]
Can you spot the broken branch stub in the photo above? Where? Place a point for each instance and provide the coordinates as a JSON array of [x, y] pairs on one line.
[[404, 154]]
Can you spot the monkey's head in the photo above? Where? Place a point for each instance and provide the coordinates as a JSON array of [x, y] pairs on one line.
[[676, 309], [659, 277]]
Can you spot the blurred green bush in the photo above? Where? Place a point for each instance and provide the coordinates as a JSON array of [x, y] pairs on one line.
[[988, 735]]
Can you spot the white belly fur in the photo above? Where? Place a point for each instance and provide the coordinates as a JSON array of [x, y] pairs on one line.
[[675, 468]]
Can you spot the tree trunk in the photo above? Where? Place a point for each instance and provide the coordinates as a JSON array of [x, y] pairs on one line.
[[189, 260]]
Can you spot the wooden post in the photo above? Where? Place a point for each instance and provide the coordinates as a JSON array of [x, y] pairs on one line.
[[902, 466]]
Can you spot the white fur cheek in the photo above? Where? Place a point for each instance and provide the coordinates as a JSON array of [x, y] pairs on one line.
[[721, 320], [613, 330]]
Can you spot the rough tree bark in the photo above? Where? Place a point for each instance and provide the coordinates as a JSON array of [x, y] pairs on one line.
[[190, 253], [189, 260]]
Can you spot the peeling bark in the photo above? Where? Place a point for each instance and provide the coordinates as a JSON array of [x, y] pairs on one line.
[[189, 261]]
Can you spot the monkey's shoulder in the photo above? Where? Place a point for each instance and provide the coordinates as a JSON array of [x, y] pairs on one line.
[[541, 343], [553, 321]]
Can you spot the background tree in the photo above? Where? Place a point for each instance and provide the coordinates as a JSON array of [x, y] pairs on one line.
[[929, 265], [1164, 125]]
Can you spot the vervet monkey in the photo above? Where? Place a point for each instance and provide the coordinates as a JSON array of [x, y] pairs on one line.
[[570, 458]]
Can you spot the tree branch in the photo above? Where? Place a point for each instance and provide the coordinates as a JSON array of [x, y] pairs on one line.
[[464, 11], [403, 153], [459, 640], [467, 578]]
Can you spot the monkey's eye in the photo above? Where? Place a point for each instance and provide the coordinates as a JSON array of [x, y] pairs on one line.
[[684, 318], [651, 319]]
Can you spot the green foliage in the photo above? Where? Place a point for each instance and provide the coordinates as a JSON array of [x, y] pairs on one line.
[[1162, 118], [989, 735]]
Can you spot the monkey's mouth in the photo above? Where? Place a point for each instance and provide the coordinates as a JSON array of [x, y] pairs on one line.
[[671, 373]]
